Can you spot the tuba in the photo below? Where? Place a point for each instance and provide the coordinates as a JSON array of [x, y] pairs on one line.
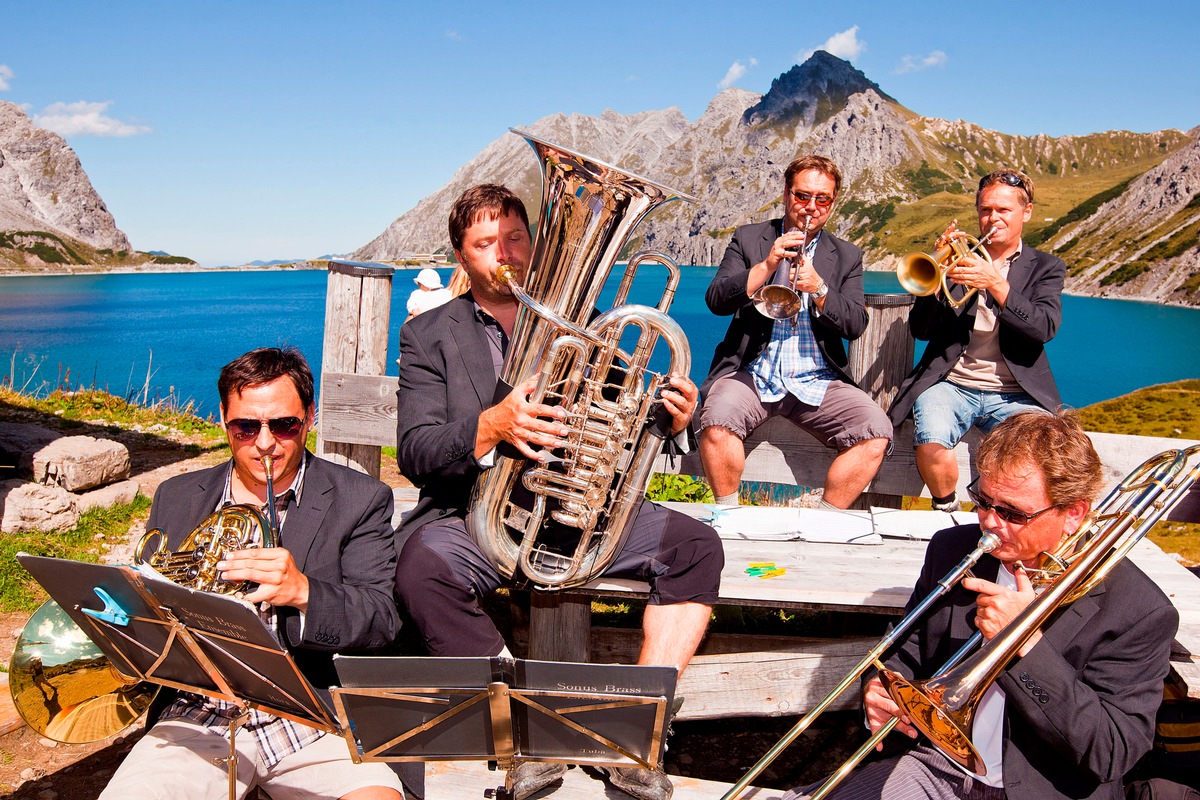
[[63, 685], [921, 274], [558, 523]]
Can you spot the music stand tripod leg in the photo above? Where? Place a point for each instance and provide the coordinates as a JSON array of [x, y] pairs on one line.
[[231, 761]]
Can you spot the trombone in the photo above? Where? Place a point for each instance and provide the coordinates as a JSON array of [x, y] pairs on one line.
[[922, 274], [943, 707]]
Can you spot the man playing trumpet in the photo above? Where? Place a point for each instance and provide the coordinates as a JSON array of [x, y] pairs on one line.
[[986, 358]]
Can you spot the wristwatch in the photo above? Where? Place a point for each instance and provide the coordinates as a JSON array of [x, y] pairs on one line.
[[822, 291]]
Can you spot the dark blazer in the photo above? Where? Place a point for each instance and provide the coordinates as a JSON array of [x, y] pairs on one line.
[[1030, 318], [340, 536], [446, 379], [1080, 706], [844, 317]]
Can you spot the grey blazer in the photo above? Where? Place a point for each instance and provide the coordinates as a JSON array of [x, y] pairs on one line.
[[1080, 706], [844, 316], [340, 536], [1030, 318]]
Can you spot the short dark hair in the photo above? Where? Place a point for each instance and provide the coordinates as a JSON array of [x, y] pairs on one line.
[[1009, 177], [487, 198], [1054, 444], [263, 366], [820, 164]]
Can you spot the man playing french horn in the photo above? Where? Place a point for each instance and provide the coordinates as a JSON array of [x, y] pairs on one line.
[[325, 587], [1074, 709], [449, 426]]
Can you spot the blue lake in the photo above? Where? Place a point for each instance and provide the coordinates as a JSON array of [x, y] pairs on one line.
[[108, 330]]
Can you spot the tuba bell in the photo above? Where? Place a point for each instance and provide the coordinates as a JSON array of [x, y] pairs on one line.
[[558, 523], [63, 685], [922, 274]]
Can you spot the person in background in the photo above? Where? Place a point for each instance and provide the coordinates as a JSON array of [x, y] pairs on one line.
[[795, 367], [326, 588], [429, 293], [1073, 711], [986, 359], [450, 421]]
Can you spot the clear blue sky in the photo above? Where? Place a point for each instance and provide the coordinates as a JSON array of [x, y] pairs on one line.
[[235, 131]]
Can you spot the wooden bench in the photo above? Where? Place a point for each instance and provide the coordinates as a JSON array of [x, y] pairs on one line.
[[732, 675]]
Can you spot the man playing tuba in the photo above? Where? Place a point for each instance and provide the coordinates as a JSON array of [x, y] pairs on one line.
[[448, 430]]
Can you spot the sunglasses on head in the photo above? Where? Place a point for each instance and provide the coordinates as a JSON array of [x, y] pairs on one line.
[[803, 198], [245, 430], [1008, 178], [1009, 515]]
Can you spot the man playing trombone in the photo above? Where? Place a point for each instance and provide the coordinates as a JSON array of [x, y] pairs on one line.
[[986, 358], [1073, 710]]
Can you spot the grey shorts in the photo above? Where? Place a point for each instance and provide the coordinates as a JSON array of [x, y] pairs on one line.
[[845, 417]]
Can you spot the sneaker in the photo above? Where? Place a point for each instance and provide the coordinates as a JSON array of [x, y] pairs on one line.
[[533, 776], [639, 782]]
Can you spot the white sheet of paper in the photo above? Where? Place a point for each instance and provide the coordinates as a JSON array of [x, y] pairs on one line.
[[767, 523]]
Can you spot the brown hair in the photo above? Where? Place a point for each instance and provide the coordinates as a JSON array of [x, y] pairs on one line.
[[1009, 177], [1055, 444], [486, 198], [263, 366], [820, 164]]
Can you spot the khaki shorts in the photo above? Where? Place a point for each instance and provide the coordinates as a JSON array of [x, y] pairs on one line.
[[174, 761], [845, 417]]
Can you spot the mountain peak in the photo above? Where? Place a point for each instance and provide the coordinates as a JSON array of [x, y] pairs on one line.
[[809, 93]]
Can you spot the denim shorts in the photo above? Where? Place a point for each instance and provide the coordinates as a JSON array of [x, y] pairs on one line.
[[945, 412]]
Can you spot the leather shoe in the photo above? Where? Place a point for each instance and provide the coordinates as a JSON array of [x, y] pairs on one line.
[[532, 776], [639, 782]]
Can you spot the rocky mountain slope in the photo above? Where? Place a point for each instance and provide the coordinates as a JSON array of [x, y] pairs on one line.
[[905, 176], [49, 211]]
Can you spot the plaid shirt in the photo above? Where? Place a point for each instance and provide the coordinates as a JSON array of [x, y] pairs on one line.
[[792, 362], [277, 738]]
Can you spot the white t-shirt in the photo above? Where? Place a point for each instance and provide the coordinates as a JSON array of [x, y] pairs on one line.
[[420, 300]]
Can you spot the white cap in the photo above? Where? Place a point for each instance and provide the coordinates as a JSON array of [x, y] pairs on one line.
[[429, 279]]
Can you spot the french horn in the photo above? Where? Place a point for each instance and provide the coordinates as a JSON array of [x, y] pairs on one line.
[[62, 684], [558, 523]]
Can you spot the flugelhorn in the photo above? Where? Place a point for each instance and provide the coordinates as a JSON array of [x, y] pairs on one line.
[[777, 300], [922, 274], [558, 523]]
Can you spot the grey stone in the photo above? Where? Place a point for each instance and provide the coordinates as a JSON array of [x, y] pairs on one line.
[[77, 463], [19, 441], [108, 496], [36, 506]]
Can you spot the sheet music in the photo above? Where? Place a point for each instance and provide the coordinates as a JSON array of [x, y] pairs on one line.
[[897, 524], [774, 523]]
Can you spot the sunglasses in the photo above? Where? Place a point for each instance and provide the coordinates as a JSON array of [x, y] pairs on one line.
[[1008, 178], [803, 197], [245, 430], [1009, 515]]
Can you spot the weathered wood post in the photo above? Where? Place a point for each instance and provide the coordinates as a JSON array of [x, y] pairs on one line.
[[358, 302], [879, 361]]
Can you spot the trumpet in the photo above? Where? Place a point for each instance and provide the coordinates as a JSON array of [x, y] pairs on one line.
[[922, 274], [777, 301]]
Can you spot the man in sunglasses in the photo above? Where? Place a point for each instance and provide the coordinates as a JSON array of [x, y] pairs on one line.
[[325, 588], [986, 359], [794, 367], [1074, 708]]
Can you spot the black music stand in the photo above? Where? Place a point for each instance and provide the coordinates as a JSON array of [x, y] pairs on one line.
[[503, 710], [211, 644]]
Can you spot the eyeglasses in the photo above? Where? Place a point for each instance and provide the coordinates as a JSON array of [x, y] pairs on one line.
[[1009, 515], [803, 198], [244, 430]]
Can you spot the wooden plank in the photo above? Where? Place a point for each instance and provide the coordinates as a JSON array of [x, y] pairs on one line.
[[358, 409], [463, 779], [558, 625]]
